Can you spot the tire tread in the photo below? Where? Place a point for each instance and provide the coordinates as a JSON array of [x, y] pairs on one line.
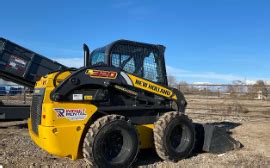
[[159, 129]]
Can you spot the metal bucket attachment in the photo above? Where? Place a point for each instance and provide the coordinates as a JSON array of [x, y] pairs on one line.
[[214, 139]]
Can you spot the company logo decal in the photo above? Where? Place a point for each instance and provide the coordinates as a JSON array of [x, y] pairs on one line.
[[152, 87], [71, 114], [101, 74]]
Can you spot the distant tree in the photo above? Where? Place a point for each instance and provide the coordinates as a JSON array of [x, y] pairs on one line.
[[236, 88], [172, 81], [183, 86], [183, 83], [259, 86], [259, 83]]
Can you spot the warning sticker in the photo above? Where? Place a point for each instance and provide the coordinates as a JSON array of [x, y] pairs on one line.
[[71, 114], [77, 97]]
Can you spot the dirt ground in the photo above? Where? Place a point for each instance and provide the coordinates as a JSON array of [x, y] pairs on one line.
[[17, 150]]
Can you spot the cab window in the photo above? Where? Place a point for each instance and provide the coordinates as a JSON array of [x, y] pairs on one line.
[[140, 61], [98, 57], [125, 60], [151, 70]]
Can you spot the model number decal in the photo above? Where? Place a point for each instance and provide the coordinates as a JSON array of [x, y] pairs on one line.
[[71, 114], [101, 74]]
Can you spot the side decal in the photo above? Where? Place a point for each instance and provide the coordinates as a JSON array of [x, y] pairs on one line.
[[71, 114], [150, 86]]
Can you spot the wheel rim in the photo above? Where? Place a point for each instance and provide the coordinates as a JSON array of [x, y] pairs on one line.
[[112, 145], [180, 138]]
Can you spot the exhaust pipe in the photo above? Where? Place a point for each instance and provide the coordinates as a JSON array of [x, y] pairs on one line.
[[86, 55]]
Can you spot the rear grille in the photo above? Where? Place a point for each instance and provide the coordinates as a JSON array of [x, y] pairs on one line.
[[36, 110]]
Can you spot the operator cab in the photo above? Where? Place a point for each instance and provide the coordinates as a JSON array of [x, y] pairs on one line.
[[140, 59]]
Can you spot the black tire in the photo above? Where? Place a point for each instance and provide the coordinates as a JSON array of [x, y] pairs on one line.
[[174, 136], [111, 141]]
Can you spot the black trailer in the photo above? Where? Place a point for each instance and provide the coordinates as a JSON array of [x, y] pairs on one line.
[[24, 67], [14, 112]]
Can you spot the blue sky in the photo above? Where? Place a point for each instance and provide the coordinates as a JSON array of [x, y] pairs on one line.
[[213, 41]]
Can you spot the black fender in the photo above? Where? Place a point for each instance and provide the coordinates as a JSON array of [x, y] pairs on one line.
[[181, 100]]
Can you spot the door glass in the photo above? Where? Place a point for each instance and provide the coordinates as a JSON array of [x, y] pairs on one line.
[[151, 68], [98, 58], [138, 60]]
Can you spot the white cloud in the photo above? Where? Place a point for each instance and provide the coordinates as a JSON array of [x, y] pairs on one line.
[[178, 73], [250, 82], [171, 70], [212, 76], [202, 83]]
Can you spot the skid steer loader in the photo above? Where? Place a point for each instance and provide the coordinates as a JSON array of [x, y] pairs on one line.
[[108, 110]]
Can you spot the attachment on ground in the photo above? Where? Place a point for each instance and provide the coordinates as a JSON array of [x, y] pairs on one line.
[[214, 139]]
